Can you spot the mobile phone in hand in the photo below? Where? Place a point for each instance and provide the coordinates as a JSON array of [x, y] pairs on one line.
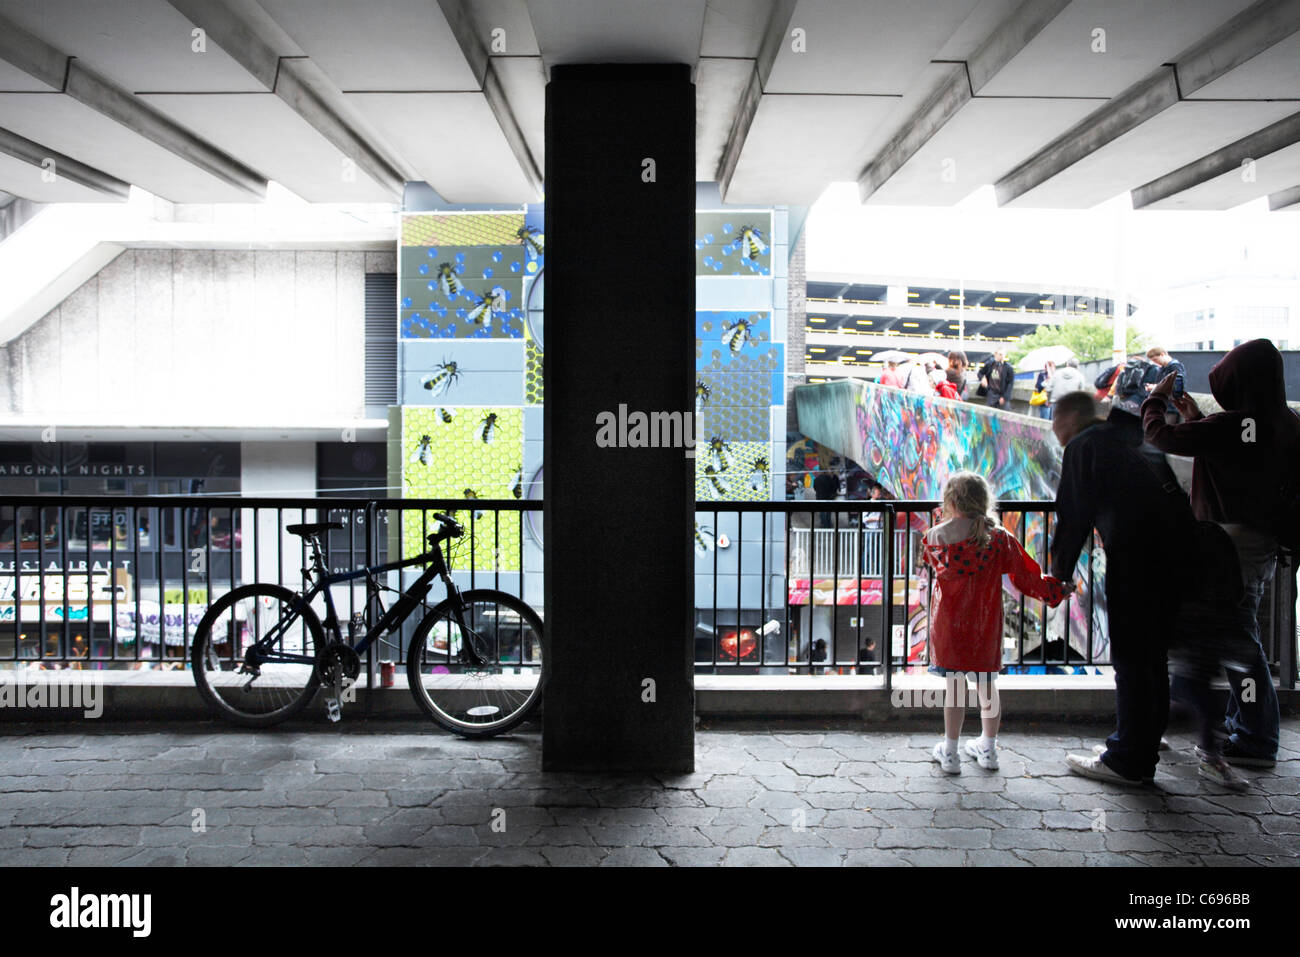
[[1178, 386]]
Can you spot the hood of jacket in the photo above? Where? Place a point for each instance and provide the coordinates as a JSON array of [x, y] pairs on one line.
[[1249, 378]]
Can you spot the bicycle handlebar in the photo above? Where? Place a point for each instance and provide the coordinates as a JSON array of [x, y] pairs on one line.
[[450, 528]]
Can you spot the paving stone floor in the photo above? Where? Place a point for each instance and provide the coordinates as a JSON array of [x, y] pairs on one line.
[[383, 793]]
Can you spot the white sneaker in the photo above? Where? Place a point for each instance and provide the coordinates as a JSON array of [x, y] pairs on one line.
[[1214, 768], [948, 763], [986, 757], [1095, 768]]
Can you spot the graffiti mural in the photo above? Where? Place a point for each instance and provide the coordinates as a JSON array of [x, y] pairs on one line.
[[912, 442], [464, 453]]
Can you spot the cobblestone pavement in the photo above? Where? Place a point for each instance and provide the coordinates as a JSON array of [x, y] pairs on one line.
[[384, 793]]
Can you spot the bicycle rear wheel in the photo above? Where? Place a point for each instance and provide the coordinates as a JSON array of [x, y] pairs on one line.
[[474, 700], [231, 626]]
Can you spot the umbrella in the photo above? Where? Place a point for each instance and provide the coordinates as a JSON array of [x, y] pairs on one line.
[[892, 355], [937, 358], [1038, 358]]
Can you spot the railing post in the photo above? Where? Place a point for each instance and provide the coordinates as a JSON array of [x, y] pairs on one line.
[[887, 602], [372, 515]]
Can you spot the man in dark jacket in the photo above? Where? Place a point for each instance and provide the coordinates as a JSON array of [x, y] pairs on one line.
[[997, 376], [1106, 485], [1242, 455]]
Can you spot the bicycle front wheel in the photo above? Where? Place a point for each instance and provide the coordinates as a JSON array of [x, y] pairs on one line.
[[478, 698], [285, 680]]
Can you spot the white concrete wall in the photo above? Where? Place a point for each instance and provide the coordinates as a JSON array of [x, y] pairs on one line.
[[200, 337], [276, 470]]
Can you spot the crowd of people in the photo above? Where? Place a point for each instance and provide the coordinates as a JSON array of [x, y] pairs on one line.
[[1184, 576]]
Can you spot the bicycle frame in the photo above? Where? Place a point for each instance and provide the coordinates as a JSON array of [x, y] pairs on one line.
[[391, 620]]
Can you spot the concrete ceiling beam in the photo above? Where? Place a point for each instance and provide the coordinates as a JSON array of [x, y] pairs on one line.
[[66, 74], [460, 18], [957, 87], [1270, 139], [66, 167], [1285, 199], [1249, 33], [294, 80], [778, 22]]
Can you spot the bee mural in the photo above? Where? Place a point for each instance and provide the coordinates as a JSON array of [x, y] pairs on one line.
[[751, 242], [487, 430], [491, 304], [703, 539], [471, 494], [702, 393], [533, 240], [441, 381], [758, 477], [717, 490], [720, 453], [736, 335], [517, 486], [423, 454], [448, 281]]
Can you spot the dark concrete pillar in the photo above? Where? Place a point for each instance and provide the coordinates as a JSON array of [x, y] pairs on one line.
[[620, 331]]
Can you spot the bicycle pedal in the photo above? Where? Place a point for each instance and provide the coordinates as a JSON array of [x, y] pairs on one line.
[[333, 710]]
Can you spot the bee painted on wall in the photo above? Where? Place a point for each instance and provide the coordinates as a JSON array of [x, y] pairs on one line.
[[491, 304], [448, 281], [533, 240], [517, 486], [736, 335], [717, 490], [758, 477], [751, 242], [445, 414], [487, 429], [720, 453], [423, 454], [471, 494], [703, 539], [702, 393], [441, 381]]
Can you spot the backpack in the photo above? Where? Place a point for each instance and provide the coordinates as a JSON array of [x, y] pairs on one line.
[[1131, 377], [1106, 376]]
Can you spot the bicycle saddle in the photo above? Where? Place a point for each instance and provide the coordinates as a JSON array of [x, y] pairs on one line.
[[311, 528]]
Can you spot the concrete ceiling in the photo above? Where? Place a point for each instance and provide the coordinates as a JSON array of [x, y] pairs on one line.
[[1060, 103]]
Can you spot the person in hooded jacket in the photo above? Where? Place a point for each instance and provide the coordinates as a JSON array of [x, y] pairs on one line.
[[1242, 456], [969, 551]]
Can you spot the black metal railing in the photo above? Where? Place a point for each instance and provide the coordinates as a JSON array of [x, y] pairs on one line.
[[781, 587], [800, 587], [122, 582]]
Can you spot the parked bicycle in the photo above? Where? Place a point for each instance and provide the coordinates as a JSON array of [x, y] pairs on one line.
[[475, 663]]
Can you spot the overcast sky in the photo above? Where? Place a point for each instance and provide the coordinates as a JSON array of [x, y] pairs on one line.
[[1108, 246]]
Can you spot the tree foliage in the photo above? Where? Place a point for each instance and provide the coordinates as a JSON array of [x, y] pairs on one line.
[[1088, 338]]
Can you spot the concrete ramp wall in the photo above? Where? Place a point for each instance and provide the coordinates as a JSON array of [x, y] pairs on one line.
[[913, 442]]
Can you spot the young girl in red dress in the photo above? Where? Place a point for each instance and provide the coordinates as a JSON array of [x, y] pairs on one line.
[[969, 551]]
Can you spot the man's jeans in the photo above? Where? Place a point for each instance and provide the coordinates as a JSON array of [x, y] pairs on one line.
[[1253, 718], [1141, 684]]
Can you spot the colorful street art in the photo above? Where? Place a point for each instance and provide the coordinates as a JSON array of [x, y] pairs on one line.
[[739, 374], [461, 276], [912, 442], [733, 244], [450, 459], [732, 471]]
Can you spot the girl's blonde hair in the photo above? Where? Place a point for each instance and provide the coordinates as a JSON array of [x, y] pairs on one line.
[[968, 495]]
